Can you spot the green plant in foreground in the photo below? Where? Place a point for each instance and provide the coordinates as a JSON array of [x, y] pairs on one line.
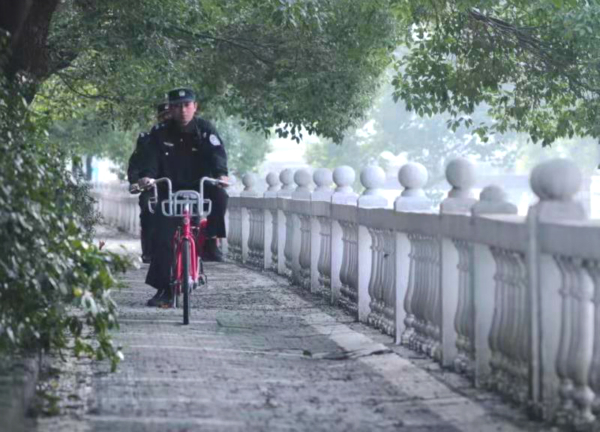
[[54, 283]]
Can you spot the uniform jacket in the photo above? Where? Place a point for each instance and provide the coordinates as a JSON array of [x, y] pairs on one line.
[[137, 158], [184, 156]]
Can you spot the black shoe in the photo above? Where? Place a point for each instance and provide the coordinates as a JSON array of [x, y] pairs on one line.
[[161, 298], [212, 251]]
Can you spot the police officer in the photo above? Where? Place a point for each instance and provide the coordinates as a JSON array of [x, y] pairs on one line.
[[184, 149], [133, 171]]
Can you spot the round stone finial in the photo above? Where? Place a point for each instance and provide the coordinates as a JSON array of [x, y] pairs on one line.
[[249, 180], [493, 193], [460, 173], [323, 177], [556, 179], [286, 177], [534, 182], [302, 178], [372, 177], [272, 179], [413, 175], [344, 176]]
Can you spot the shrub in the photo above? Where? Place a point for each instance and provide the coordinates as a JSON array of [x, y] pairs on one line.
[[54, 283]]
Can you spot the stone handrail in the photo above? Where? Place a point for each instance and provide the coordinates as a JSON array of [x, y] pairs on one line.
[[117, 206], [511, 302]]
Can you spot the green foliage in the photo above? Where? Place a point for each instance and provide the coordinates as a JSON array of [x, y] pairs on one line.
[[54, 284], [245, 149], [314, 64], [534, 64], [390, 130]]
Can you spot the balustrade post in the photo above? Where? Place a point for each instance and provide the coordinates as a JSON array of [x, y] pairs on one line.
[[270, 222], [320, 234], [374, 257], [455, 259], [343, 177], [476, 307], [249, 182], [300, 244], [287, 180], [560, 304], [412, 177]]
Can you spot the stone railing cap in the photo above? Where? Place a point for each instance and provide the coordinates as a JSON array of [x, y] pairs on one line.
[[323, 177], [556, 179], [344, 176], [372, 177], [302, 177], [461, 173], [413, 175]]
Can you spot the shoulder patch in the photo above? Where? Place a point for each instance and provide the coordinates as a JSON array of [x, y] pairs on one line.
[[214, 140]]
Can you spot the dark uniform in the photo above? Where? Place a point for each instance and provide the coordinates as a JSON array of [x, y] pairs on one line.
[[184, 155], [133, 175]]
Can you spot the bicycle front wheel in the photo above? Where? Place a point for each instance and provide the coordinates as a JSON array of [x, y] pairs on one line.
[[186, 279]]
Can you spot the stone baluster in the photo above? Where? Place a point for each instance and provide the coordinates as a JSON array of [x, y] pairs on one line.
[[412, 177], [493, 200], [321, 235], [300, 264], [567, 343], [344, 237], [455, 285], [593, 268], [421, 247], [270, 217], [415, 333], [254, 256], [234, 245], [432, 306], [379, 269], [284, 254]]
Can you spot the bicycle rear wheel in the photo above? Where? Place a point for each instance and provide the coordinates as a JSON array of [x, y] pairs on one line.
[[186, 279]]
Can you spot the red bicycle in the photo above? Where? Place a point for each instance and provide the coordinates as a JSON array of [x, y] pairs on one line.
[[187, 270]]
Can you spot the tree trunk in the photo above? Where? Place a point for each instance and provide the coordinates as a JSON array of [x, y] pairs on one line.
[[28, 22], [88, 167]]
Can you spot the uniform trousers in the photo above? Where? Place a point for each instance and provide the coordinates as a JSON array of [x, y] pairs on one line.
[[146, 224]]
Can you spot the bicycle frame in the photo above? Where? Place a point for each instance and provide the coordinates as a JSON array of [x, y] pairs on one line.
[[185, 204], [184, 232]]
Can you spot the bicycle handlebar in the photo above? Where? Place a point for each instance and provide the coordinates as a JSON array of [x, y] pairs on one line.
[[178, 202]]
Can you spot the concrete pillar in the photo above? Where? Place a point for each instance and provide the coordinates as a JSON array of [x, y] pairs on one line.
[[343, 178], [461, 175], [319, 252], [413, 177], [270, 221], [372, 178], [555, 313]]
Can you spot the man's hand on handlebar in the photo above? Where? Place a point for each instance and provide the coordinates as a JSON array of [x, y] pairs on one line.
[[225, 181], [145, 182], [134, 188]]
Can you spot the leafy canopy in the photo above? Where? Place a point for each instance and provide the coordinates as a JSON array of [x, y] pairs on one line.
[[305, 63], [535, 64]]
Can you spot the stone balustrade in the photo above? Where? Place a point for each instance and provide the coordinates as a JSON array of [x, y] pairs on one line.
[[117, 206], [511, 302]]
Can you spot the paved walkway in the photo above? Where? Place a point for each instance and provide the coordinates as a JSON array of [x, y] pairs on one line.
[[260, 355]]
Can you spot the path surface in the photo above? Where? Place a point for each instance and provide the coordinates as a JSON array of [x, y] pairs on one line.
[[260, 355]]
